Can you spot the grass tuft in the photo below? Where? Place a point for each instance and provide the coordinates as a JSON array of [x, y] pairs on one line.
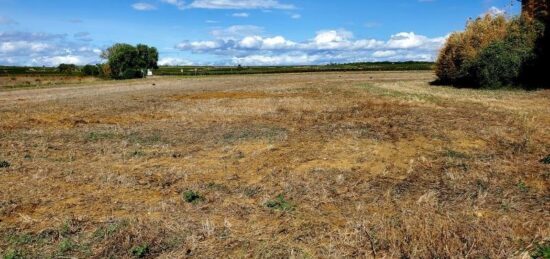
[[4, 164], [140, 251], [546, 160], [12, 254], [279, 204], [192, 196], [542, 252]]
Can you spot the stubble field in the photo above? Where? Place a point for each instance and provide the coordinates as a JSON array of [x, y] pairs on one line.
[[330, 165]]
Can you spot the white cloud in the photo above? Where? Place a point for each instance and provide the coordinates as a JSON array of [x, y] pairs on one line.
[[16, 46], [295, 16], [171, 61], [270, 60], [239, 4], [494, 11], [409, 40], [180, 4], [143, 7], [326, 46], [384, 53], [241, 15], [24, 48]]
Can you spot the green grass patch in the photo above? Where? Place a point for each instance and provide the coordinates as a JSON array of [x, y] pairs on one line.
[[98, 136], [546, 160], [192, 197], [542, 252], [140, 251], [280, 204], [13, 254]]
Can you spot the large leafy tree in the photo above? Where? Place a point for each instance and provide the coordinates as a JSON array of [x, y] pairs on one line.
[[126, 61]]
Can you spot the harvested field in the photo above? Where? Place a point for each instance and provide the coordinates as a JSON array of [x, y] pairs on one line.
[[330, 165], [36, 81]]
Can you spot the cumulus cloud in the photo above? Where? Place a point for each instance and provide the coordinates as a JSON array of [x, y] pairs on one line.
[[37, 49], [241, 15], [240, 4], [325, 47], [143, 7], [494, 11], [174, 61], [180, 4]]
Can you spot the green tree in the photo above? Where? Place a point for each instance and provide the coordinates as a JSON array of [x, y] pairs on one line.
[[90, 70], [126, 61], [67, 68]]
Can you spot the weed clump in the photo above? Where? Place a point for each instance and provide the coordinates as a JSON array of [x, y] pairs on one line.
[[192, 196], [4, 164], [140, 251], [542, 252], [12, 254], [280, 204], [66, 245], [546, 160]]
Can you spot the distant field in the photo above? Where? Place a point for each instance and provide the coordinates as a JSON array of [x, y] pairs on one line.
[[224, 70], [309, 165], [25, 77]]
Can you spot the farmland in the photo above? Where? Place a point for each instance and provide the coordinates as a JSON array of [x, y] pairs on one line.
[[27, 77], [307, 165]]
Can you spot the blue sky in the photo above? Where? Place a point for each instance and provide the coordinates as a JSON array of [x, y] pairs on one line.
[[230, 32]]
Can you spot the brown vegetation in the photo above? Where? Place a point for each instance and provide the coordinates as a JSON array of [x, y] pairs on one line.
[[22, 81], [309, 165]]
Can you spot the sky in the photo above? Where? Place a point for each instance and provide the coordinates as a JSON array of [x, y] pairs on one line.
[[232, 32]]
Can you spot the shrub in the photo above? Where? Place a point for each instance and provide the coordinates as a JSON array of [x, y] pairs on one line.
[[492, 52], [90, 70], [497, 66], [546, 160], [67, 68], [191, 196], [463, 47], [104, 70]]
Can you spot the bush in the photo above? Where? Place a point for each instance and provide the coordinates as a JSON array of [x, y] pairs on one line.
[[90, 70], [492, 52], [497, 66], [67, 68], [464, 47], [104, 70]]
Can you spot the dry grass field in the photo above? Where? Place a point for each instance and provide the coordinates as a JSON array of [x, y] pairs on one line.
[[323, 165], [21, 81]]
